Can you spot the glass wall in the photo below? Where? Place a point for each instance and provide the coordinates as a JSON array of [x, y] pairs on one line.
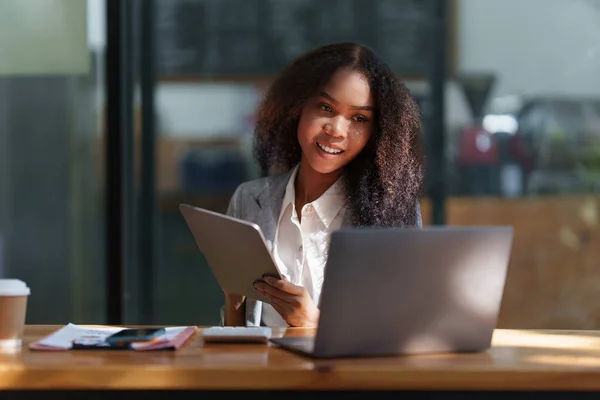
[[531, 160], [521, 137], [50, 184], [525, 153], [214, 61]]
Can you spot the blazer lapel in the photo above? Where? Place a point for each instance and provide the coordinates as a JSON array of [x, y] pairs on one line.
[[269, 202]]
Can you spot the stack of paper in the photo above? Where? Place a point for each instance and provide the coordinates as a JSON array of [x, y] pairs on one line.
[[63, 338]]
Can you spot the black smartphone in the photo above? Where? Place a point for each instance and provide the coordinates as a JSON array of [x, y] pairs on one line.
[[128, 336]]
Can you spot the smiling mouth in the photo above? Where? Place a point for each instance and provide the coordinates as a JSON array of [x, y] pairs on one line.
[[329, 150]]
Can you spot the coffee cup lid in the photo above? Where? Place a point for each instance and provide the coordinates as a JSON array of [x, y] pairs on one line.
[[13, 287]]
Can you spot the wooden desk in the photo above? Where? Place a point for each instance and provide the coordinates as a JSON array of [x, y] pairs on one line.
[[519, 360]]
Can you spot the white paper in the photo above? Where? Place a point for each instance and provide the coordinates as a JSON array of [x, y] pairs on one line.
[[173, 332], [63, 338]]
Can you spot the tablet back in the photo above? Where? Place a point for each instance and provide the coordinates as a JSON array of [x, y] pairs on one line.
[[236, 250]]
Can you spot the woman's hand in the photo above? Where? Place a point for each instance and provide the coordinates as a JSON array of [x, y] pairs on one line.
[[292, 302]]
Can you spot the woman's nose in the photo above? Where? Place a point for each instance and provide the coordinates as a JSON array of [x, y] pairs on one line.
[[337, 127]]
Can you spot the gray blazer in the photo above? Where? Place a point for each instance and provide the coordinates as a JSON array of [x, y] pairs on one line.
[[259, 201]]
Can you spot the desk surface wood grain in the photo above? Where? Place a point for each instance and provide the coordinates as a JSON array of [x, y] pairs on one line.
[[518, 360]]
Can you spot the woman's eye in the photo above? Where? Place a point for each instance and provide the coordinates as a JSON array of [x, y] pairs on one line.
[[360, 118], [325, 107]]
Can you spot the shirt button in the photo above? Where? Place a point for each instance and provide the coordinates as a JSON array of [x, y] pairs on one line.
[[309, 208], [300, 248]]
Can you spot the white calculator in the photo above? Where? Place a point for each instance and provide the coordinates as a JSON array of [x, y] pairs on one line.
[[236, 334]]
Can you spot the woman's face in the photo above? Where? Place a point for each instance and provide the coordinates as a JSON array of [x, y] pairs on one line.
[[336, 124]]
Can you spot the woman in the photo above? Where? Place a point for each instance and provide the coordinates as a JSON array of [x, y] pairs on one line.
[[339, 135]]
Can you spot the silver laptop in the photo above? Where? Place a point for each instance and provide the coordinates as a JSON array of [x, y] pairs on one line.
[[409, 291]]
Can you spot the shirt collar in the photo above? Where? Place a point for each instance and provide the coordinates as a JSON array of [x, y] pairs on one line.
[[328, 206], [290, 192]]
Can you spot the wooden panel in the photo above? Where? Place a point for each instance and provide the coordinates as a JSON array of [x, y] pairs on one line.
[[169, 153], [518, 360], [553, 279], [554, 275]]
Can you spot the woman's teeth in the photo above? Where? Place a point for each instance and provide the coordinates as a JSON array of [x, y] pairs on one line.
[[328, 149]]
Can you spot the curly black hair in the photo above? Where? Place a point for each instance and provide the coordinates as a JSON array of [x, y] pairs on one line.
[[384, 182]]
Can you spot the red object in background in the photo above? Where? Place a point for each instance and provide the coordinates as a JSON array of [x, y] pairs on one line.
[[520, 152], [477, 147]]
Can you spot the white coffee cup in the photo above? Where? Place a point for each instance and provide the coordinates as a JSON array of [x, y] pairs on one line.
[[13, 308]]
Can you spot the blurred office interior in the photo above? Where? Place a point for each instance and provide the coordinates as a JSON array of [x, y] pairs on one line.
[[510, 96]]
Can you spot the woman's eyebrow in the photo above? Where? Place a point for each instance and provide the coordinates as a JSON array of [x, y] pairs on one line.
[[328, 97]]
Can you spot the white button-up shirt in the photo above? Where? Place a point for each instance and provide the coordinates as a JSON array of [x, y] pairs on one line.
[[301, 245]]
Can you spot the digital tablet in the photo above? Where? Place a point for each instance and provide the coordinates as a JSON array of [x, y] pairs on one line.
[[236, 250]]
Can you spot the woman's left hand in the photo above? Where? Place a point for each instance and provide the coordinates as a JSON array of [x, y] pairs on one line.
[[292, 302]]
